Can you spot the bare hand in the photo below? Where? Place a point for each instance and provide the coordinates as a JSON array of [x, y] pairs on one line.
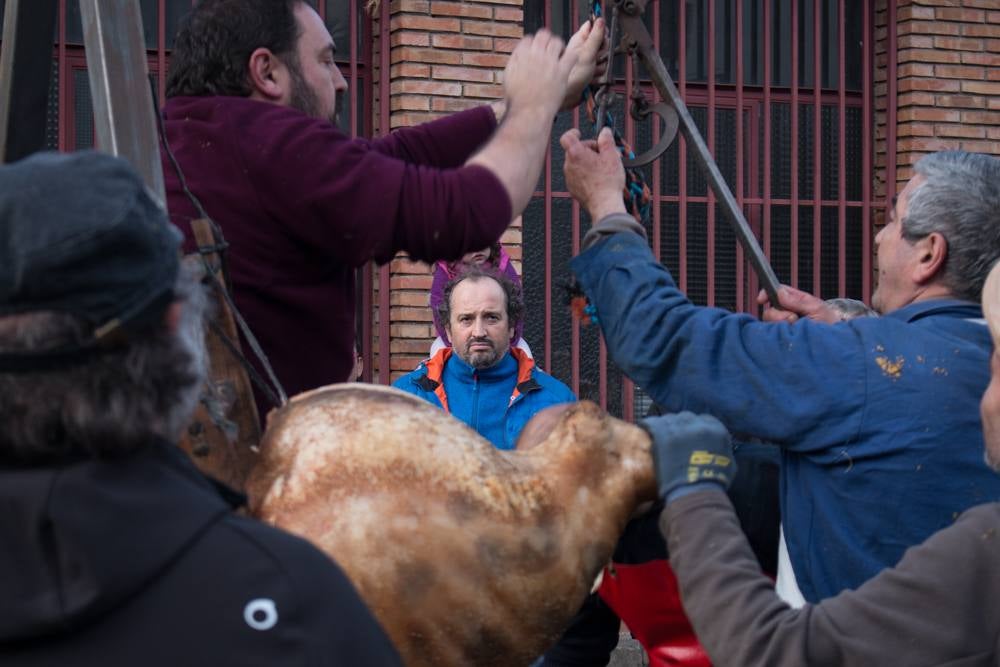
[[590, 45], [796, 304], [537, 73], [594, 173]]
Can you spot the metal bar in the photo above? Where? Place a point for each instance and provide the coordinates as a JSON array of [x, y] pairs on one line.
[[661, 79], [866, 155], [794, 194], [63, 81], [766, 194], [124, 119], [352, 18], [25, 70], [547, 347], [891, 103], [710, 127], [841, 154], [368, 270], [739, 149], [161, 51], [682, 200], [384, 286], [817, 262], [575, 232]]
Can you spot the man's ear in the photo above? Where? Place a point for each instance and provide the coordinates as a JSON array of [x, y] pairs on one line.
[[932, 252], [268, 76]]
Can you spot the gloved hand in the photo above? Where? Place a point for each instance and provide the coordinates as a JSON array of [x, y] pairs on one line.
[[689, 449]]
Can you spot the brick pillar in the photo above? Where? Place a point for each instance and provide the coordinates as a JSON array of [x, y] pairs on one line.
[[948, 97], [445, 57]]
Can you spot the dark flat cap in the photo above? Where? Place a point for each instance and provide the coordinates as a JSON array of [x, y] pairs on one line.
[[80, 234]]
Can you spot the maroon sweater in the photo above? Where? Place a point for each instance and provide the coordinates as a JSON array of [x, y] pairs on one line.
[[302, 206]]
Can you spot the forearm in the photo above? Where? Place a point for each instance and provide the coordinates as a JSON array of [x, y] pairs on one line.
[[516, 152], [446, 142]]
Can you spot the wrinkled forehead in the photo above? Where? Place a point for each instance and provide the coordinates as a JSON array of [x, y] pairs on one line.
[[474, 295]]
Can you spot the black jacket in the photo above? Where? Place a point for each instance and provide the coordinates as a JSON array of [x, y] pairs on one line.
[[141, 561]]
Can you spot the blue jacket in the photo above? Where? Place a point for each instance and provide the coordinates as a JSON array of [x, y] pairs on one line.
[[497, 402], [878, 417]]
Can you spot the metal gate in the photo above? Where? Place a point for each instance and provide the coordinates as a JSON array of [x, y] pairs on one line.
[[789, 119]]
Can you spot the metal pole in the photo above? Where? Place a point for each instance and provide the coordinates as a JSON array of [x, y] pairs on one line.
[[124, 119], [25, 68]]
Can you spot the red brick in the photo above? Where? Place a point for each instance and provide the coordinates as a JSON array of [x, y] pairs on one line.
[[463, 74], [993, 133], [982, 87], [958, 43], [916, 98], [416, 6], [508, 14], [915, 42], [981, 117], [929, 28], [915, 130], [928, 56], [410, 282], [993, 103], [431, 23], [410, 331], [979, 58], [924, 114], [498, 60], [492, 29], [411, 118], [410, 314], [992, 45], [982, 30], [928, 144], [913, 69], [985, 4], [914, 12], [494, 91], [960, 14], [426, 87], [409, 103], [508, 45], [981, 146], [409, 69], [961, 101], [461, 9], [939, 85], [411, 298], [965, 131], [464, 42], [434, 56], [403, 264], [993, 75], [451, 105], [406, 363], [958, 71], [409, 38], [410, 345]]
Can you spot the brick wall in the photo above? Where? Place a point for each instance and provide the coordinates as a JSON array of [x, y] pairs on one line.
[[445, 56], [948, 59]]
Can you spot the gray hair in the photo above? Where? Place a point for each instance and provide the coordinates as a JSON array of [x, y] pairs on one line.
[[108, 405], [848, 309], [960, 199]]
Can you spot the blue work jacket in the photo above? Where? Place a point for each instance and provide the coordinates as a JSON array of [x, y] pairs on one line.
[[878, 418], [496, 402]]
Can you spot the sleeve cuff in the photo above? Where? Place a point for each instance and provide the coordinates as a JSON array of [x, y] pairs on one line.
[[609, 225]]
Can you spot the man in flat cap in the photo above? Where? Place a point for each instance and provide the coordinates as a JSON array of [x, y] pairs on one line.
[[115, 549]]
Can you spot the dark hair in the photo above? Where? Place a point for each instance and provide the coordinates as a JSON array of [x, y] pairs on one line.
[[111, 404], [512, 294], [213, 46]]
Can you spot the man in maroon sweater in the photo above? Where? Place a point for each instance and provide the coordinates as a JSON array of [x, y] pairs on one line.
[[253, 96]]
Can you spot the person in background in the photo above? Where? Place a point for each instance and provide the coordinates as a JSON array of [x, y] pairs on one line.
[[482, 380], [494, 258]]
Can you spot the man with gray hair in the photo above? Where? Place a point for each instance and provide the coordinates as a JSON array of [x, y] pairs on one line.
[[877, 416], [116, 550]]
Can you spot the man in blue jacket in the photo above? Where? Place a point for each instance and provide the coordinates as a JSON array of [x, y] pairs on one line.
[[482, 380], [877, 417]]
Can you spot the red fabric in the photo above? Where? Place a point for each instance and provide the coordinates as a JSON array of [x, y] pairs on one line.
[[647, 599]]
